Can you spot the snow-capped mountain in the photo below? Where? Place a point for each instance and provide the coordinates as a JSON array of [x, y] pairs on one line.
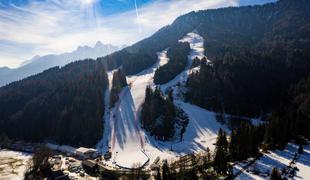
[[40, 63]]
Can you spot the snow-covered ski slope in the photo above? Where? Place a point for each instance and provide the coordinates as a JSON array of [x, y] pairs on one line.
[[130, 145], [197, 51], [201, 131], [127, 140], [122, 130]]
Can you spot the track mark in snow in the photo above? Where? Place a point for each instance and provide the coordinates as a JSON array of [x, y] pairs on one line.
[[126, 136]]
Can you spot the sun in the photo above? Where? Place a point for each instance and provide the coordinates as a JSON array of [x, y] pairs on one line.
[[87, 2]]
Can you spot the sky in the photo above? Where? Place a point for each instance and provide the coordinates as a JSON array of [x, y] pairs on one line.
[[39, 27]]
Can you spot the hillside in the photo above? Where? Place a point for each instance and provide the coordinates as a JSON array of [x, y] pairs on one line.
[[64, 105], [259, 52]]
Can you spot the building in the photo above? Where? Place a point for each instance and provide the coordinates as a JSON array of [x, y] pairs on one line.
[[86, 153]]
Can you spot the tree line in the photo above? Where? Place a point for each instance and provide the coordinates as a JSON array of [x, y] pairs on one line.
[[178, 60], [118, 83]]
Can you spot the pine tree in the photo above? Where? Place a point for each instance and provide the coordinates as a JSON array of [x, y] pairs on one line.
[[234, 146], [221, 153], [118, 83], [165, 171], [275, 175]]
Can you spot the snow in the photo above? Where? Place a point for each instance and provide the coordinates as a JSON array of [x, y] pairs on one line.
[[303, 164], [13, 164], [122, 131], [129, 143], [197, 51], [196, 44], [126, 137], [280, 160], [201, 132], [140, 81]]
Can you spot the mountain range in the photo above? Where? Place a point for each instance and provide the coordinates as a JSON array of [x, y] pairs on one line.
[[40, 63]]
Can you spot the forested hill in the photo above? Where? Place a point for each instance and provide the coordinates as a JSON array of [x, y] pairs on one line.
[[258, 53], [64, 105]]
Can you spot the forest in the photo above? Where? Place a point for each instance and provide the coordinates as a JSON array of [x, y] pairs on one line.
[[178, 60], [257, 57], [62, 105], [118, 83], [158, 114]]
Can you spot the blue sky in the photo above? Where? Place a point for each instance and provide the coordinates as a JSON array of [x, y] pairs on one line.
[[40, 27]]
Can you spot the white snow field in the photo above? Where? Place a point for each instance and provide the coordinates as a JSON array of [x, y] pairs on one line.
[[122, 130], [13, 164], [262, 168]]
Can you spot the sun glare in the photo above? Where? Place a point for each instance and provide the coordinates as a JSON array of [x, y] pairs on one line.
[[87, 2]]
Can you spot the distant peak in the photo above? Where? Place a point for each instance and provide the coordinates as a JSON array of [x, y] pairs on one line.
[[35, 57], [83, 47], [99, 44], [4, 68]]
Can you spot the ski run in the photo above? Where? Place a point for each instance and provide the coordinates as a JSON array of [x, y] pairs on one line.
[[130, 145]]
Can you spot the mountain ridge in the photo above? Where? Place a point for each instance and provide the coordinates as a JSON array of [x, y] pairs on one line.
[[40, 63]]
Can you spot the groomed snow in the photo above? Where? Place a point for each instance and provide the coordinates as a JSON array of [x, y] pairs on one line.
[[201, 132], [127, 142], [140, 81], [196, 43], [122, 130], [202, 129], [197, 51], [131, 145]]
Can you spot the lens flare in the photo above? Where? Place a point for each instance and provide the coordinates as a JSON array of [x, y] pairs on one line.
[[87, 2]]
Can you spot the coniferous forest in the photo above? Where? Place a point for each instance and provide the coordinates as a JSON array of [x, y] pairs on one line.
[[64, 105], [178, 60], [118, 83], [158, 114]]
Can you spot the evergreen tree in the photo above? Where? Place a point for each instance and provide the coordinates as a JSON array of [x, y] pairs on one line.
[[118, 83], [275, 175], [166, 171], [158, 114], [300, 149], [221, 153]]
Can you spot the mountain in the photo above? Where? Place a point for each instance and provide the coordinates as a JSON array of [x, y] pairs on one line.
[[257, 54], [37, 64], [4, 70]]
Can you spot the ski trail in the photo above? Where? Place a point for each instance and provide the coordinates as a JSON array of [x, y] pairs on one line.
[[125, 136]]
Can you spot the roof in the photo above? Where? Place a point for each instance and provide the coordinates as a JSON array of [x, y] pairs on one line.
[[85, 150]]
